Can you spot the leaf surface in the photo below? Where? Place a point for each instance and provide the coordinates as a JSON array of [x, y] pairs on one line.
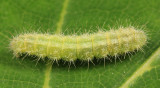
[[139, 70]]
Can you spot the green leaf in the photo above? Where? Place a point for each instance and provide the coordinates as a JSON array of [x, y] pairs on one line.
[[139, 70]]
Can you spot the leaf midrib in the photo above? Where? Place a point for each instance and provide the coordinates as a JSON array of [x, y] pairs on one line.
[[146, 66], [58, 31]]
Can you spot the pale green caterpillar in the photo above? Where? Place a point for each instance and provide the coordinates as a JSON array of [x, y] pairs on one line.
[[83, 47]]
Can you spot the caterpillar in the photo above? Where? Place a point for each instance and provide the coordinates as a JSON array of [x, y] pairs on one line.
[[83, 47]]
